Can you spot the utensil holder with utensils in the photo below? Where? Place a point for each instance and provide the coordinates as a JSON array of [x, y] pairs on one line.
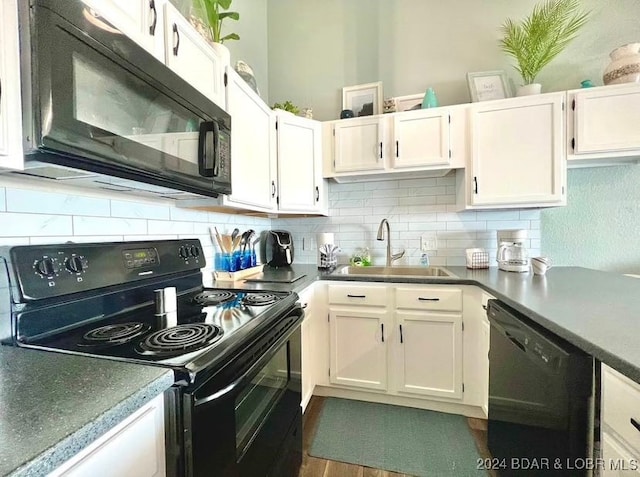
[[328, 256], [237, 252]]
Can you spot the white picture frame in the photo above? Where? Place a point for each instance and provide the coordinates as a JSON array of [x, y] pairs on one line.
[[363, 99], [488, 85], [408, 102]]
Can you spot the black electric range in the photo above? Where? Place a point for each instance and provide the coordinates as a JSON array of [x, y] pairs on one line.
[[234, 352]]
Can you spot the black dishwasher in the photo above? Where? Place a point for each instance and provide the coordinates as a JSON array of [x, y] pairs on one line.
[[540, 389]]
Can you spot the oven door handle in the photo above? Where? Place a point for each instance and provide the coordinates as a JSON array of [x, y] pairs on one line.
[[255, 367]]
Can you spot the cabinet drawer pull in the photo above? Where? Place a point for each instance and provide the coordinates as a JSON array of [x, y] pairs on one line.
[[382, 331], [152, 7], [401, 338], [428, 299], [176, 33], [635, 424], [357, 296]]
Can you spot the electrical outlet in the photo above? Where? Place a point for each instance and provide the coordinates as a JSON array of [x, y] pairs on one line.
[[428, 242]]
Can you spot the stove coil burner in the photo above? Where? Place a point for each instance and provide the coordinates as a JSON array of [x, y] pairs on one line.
[[260, 299], [214, 297], [114, 334], [180, 339]]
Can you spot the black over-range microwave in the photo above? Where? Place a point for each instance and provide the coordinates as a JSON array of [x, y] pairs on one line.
[[100, 110]]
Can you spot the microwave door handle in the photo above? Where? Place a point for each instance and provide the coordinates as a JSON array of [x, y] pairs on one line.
[[206, 168]]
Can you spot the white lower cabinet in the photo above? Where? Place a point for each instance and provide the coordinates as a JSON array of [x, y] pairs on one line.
[[358, 347], [408, 344], [134, 448], [311, 347], [620, 424], [429, 354], [429, 345]]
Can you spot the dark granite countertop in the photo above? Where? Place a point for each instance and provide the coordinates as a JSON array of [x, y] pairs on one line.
[[52, 405], [599, 312]]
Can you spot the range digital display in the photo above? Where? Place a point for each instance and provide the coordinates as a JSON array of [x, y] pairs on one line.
[[140, 257]]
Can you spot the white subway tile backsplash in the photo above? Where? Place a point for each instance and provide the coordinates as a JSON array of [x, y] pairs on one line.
[[137, 210], [170, 227], [77, 239], [413, 207], [189, 215], [42, 202], [108, 226], [14, 240], [18, 225], [466, 226]]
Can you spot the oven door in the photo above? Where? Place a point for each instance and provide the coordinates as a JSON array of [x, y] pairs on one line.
[[247, 421], [101, 103]]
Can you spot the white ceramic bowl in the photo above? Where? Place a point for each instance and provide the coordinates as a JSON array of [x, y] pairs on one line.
[[539, 267]]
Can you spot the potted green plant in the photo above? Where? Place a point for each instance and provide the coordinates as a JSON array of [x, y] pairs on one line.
[[287, 106], [213, 13], [540, 37]]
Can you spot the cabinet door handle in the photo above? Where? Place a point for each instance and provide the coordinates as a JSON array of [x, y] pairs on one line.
[[475, 185], [397, 148], [635, 424], [357, 296], [305, 305], [152, 7], [317, 194], [176, 33], [273, 188], [382, 331], [484, 307], [380, 149], [401, 338], [428, 299]]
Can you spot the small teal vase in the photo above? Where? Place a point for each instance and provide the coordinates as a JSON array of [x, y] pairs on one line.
[[430, 100]]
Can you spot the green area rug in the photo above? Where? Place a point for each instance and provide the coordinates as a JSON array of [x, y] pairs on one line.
[[399, 439]]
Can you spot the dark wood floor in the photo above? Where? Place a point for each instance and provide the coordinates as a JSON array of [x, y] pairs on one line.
[[314, 467]]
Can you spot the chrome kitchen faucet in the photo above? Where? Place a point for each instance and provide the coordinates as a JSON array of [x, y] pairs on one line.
[[390, 257]]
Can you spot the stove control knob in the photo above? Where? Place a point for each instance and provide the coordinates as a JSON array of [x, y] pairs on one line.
[[183, 252], [45, 267], [194, 251], [74, 264]]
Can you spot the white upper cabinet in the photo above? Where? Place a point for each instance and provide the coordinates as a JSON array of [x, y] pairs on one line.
[[358, 144], [191, 57], [517, 152], [301, 186], [409, 144], [421, 138], [140, 20], [603, 122], [10, 103], [253, 148]]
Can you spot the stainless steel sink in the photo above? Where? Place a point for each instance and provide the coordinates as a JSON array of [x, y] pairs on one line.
[[394, 271]]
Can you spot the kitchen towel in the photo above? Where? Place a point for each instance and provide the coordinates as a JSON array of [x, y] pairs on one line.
[[399, 439]]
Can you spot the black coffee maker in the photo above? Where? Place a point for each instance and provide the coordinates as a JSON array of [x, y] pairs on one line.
[[277, 248]]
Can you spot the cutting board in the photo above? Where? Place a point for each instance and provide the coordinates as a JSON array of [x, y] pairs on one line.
[[276, 276]]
